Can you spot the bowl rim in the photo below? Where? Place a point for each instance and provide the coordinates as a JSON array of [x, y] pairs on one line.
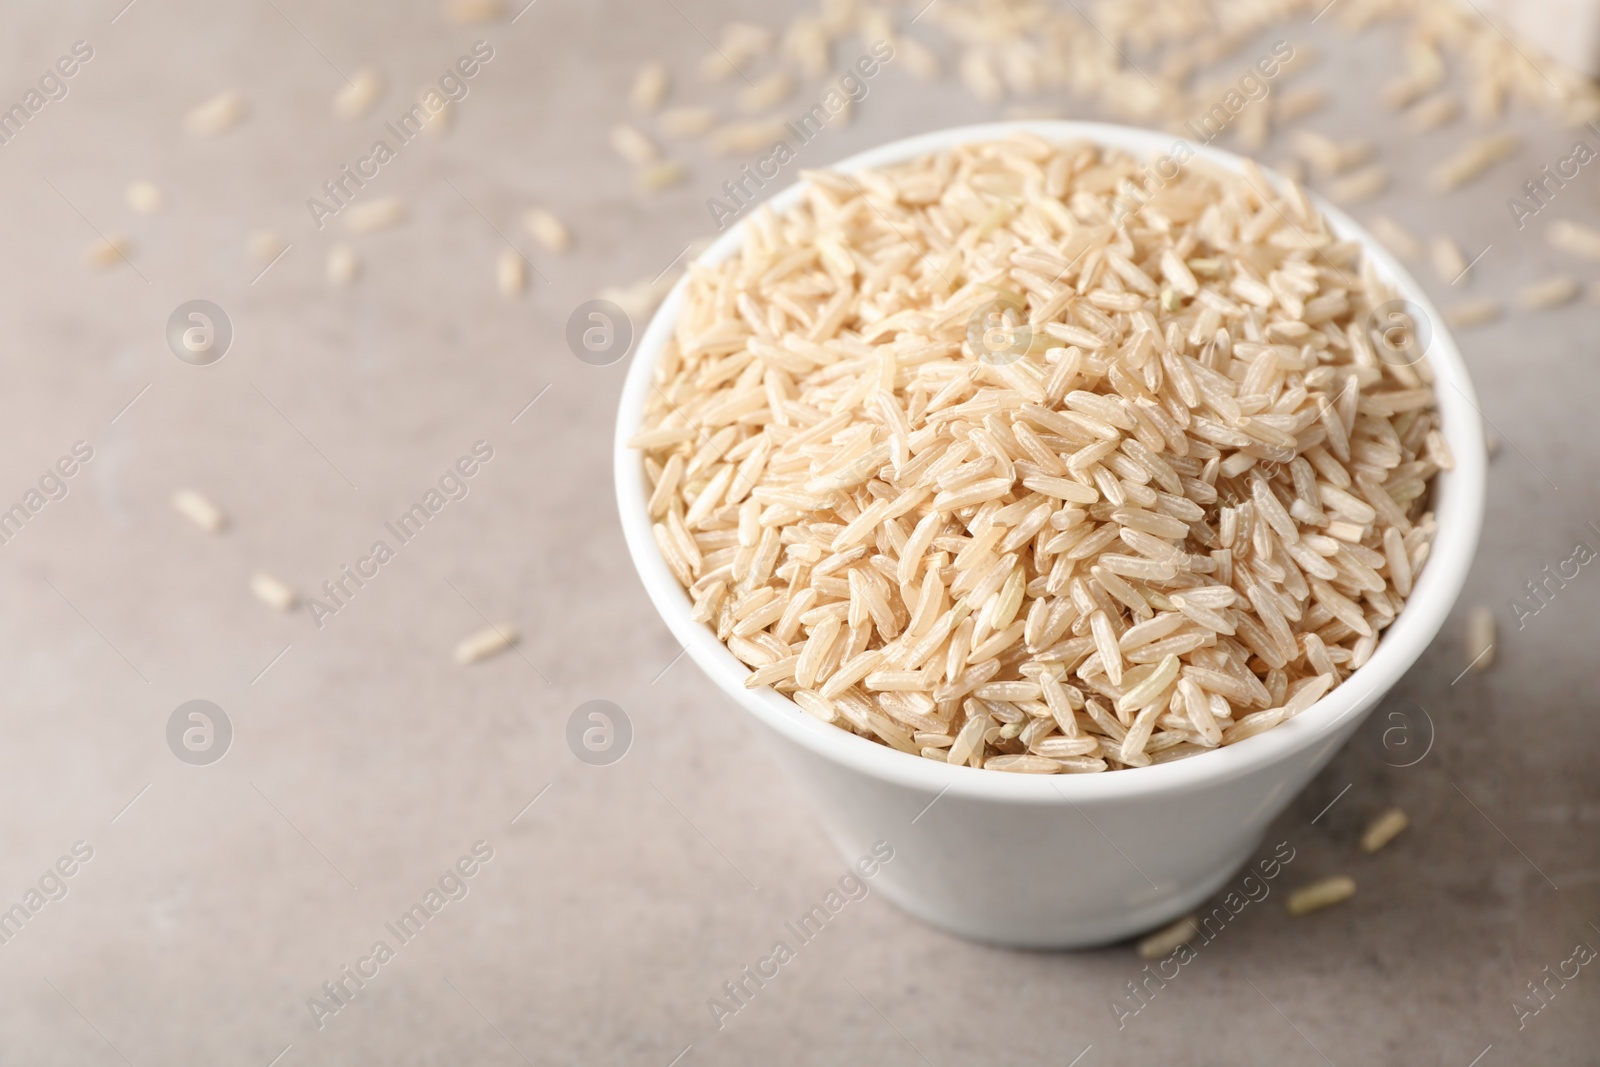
[[1459, 510]]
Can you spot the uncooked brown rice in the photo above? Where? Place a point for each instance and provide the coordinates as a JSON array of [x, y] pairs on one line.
[[1574, 237], [1363, 184], [649, 87], [1383, 829], [200, 510], [485, 643], [380, 214], [1395, 237], [217, 115], [1448, 261], [357, 97], [1473, 313], [1480, 638], [511, 272], [1165, 940], [274, 591], [547, 229], [1472, 159], [976, 457], [343, 265], [1548, 293], [1319, 895], [144, 198]]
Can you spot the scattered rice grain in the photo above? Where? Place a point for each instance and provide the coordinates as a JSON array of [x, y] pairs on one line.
[[511, 273], [1362, 185], [1574, 237], [632, 145], [374, 215], [273, 591], [1473, 313], [649, 87], [474, 12], [108, 251], [144, 198], [1448, 261], [200, 510], [343, 265], [217, 115], [485, 643], [1472, 160], [1549, 293], [660, 175], [679, 122], [1318, 895], [1164, 941], [1395, 237], [1383, 829], [357, 97], [1480, 639]]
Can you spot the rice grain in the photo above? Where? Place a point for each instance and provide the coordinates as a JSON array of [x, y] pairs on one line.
[[1395, 238], [373, 215], [1549, 293], [357, 97], [511, 273], [632, 145], [1166, 940], [217, 115], [1574, 237], [1472, 160], [1448, 261], [547, 229], [1480, 639], [649, 87], [273, 591], [200, 510], [108, 252], [1383, 829], [1318, 895], [1473, 313], [485, 643], [144, 198], [343, 265]]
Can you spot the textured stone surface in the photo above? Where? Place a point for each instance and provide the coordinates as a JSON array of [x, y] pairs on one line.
[[365, 763]]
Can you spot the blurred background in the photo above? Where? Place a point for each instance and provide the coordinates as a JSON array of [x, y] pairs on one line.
[[193, 497]]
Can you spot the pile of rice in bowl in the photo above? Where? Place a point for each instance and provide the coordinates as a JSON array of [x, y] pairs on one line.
[[1023, 457]]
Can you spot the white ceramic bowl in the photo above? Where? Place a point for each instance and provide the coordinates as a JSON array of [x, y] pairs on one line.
[[1067, 860]]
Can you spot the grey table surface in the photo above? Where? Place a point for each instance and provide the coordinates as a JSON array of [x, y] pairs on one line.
[[364, 763]]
